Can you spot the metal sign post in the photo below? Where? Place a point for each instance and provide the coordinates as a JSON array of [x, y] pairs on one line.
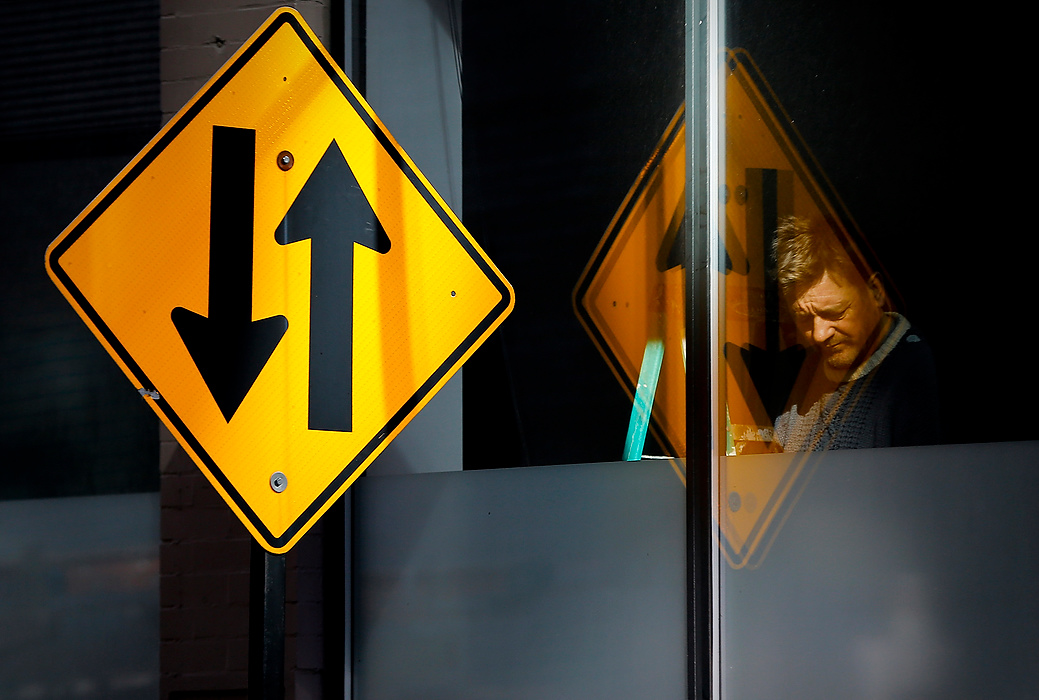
[[266, 624]]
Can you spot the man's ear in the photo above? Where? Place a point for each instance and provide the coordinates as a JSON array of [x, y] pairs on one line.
[[876, 290]]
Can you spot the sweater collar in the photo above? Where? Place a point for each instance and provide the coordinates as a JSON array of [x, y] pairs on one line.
[[899, 326]]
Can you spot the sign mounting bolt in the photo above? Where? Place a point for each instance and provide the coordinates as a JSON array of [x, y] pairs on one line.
[[285, 160], [278, 482]]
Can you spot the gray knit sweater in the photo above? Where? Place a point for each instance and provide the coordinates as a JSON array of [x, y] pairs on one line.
[[891, 400]]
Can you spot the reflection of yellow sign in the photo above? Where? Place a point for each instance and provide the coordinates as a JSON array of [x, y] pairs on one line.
[[769, 174], [632, 290], [220, 270]]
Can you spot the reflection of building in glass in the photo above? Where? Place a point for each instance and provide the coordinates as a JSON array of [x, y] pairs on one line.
[[630, 297], [770, 177], [868, 379], [814, 356]]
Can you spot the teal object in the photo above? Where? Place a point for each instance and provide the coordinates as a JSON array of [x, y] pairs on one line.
[[642, 407]]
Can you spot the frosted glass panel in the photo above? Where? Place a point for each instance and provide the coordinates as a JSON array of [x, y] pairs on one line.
[[79, 597], [898, 573], [541, 582]]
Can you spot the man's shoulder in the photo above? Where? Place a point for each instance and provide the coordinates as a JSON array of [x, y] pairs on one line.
[[902, 345], [912, 350]]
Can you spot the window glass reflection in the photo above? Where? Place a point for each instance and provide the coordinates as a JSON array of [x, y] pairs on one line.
[[562, 111], [868, 378], [851, 125], [817, 354], [875, 284], [630, 297]]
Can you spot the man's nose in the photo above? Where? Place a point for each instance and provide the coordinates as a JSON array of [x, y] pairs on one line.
[[822, 330]]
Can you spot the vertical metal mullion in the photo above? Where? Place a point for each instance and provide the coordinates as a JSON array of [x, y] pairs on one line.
[[357, 44], [701, 322], [348, 47]]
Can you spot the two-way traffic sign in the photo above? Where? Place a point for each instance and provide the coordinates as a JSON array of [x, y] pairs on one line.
[[630, 298], [280, 282], [632, 291], [770, 173]]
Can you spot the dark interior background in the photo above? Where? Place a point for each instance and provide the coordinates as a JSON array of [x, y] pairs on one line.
[[562, 108], [79, 96], [912, 114]]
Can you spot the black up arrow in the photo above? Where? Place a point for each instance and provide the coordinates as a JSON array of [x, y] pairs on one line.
[[673, 248], [228, 347], [332, 211]]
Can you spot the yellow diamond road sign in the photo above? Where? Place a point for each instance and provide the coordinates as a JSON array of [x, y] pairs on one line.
[[769, 173], [280, 281], [631, 294], [632, 290]]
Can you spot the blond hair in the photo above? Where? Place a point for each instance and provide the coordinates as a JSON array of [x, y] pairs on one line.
[[804, 249]]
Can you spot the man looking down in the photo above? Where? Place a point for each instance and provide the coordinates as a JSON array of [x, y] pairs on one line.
[[868, 379]]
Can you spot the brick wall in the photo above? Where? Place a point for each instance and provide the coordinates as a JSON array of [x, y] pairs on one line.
[[204, 593], [203, 584], [198, 36], [204, 551]]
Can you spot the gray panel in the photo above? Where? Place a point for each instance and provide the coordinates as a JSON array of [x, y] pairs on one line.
[[900, 573], [79, 597], [414, 86], [543, 582], [432, 441]]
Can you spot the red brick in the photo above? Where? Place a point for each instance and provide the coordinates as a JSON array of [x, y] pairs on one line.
[[308, 685], [187, 8], [237, 529], [309, 618], [207, 523], [205, 496], [308, 549], [223, 556], [175, 95], [178, 462], [236, 25], [238, 588], [174, 558], [167, 451], [309, 652], [221, 622], [191, 656], [238, 654], [177, 524], [309, 586], [171, 591], [176, 624], [291, 617], [174, 491], [205, 590]]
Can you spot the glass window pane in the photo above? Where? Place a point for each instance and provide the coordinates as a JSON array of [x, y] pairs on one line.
[[573, 182], [872, 428]]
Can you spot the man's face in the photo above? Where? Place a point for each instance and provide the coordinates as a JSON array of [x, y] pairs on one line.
[[838, 316]]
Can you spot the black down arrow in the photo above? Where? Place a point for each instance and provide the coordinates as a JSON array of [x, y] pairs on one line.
[[228, 347], [771, 371]]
